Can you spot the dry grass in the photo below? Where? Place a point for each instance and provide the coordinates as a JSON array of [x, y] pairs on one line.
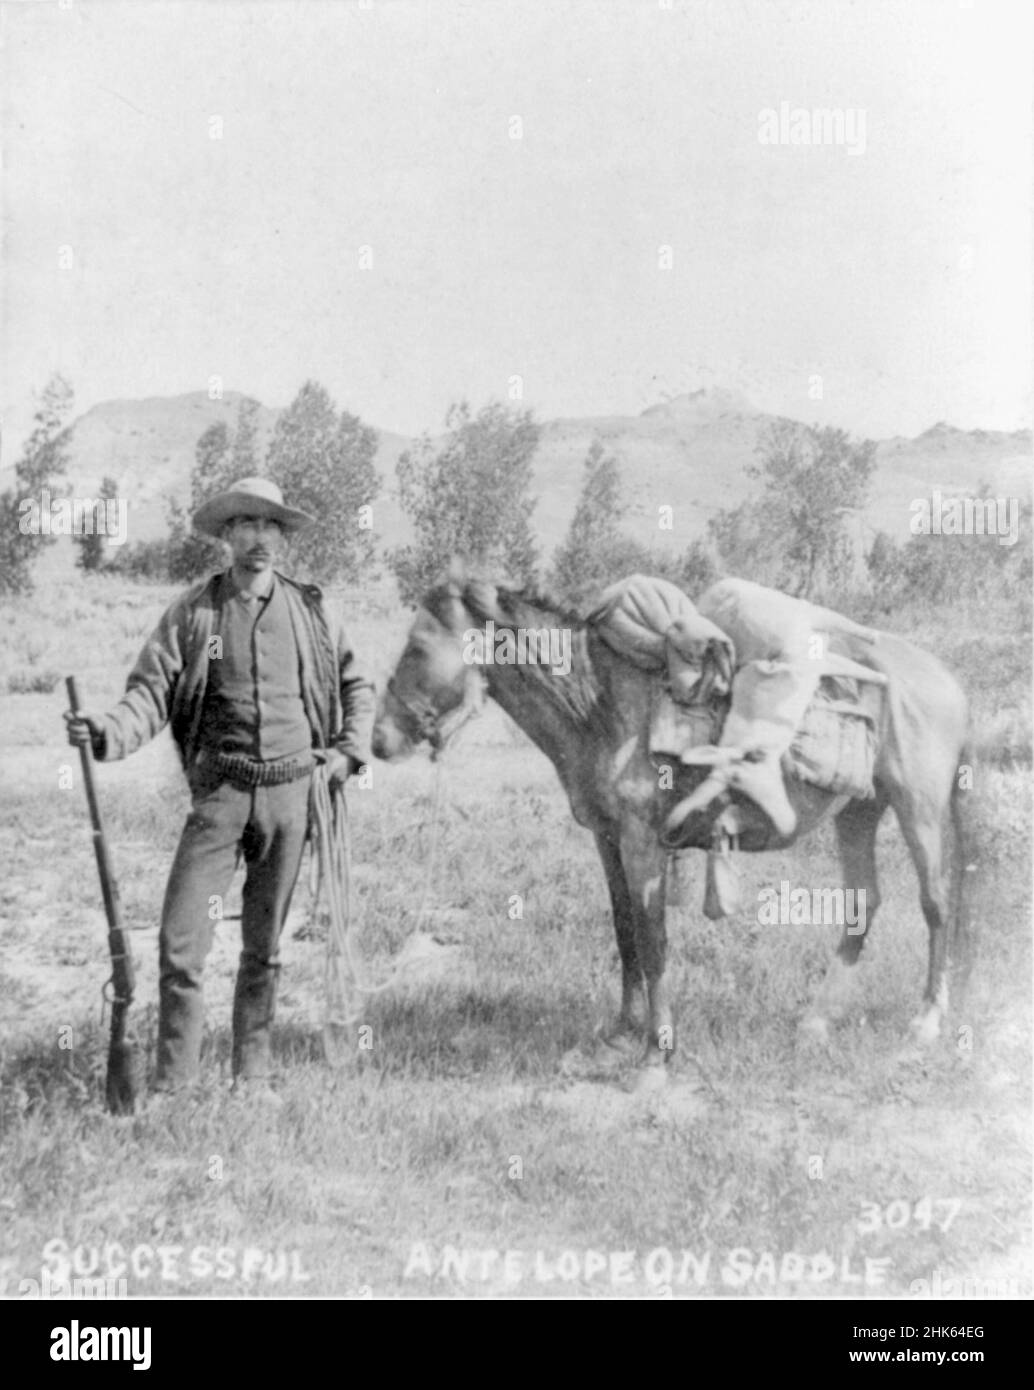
[[482, 1117]]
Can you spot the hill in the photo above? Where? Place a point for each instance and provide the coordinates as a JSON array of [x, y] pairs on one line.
[[690, 452]]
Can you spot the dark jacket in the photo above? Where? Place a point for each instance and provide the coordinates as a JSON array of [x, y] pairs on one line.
[[167, 684]]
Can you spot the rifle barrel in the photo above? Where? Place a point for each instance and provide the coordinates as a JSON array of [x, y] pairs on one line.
[[121, 960]]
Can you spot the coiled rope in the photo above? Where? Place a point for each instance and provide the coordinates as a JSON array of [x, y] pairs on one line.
[[331, 869], [346, 990]]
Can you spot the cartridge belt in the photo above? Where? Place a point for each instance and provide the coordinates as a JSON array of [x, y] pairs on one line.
[[245, 771]]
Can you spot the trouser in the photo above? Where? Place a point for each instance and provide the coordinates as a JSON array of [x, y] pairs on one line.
[[269, 825]]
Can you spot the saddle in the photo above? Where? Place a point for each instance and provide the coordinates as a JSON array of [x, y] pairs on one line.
[[654, 625]]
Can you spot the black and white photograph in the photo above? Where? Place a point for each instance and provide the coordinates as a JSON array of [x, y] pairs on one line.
[[515, 658]]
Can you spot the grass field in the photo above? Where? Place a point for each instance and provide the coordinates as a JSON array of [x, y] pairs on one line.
[[483, 1144]]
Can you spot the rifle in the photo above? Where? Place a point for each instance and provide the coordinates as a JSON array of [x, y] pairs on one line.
[[123, 1082]]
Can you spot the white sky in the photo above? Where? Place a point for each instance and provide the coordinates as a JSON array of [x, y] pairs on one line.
[[388, 126]]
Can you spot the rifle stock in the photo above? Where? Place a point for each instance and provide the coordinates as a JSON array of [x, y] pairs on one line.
[[122, 1086]]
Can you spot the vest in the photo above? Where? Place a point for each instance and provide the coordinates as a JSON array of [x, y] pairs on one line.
[[253, 703]]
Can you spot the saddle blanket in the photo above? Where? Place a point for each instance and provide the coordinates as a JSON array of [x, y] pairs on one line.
[[834, 748]]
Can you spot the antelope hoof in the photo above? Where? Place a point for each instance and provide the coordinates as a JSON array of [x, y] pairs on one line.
[[711, 787]]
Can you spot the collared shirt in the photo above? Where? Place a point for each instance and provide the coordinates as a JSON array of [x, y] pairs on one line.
[[169, 681], [253, 703]]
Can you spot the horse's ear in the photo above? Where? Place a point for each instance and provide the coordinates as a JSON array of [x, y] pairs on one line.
[[456, 576], [481, 595]]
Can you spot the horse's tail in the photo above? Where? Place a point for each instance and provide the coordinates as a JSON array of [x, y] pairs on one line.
[[964, 856]]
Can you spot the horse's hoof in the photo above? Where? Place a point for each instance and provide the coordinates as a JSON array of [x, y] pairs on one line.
[[622, 1042], [926, 1028], [649, 1080], [815, 1030]]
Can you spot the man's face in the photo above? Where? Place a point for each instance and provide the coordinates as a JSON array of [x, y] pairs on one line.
[[257, 542]]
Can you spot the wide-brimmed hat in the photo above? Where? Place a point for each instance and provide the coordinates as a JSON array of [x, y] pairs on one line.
[[249, 497]]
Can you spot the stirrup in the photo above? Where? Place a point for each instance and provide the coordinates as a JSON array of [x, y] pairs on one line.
[[723, 884]]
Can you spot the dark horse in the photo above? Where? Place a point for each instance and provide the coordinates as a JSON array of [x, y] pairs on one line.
[[592, 724]]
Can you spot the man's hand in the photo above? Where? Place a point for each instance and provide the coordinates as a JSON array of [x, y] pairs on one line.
[[340, 767], [84, 728]]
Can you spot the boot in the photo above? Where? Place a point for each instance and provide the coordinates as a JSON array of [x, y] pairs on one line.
[[254, 1006]]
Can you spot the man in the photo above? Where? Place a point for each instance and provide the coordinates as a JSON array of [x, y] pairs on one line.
[[258, 682]]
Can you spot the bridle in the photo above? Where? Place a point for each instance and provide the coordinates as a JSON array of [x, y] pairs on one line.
[[422, 715], [439, 729]]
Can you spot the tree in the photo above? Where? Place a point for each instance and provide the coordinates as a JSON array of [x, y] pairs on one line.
[[220, 459], [470, 496], [596, 552], [92, 545], [16, 555], [144, 560], [42, 465], [243, 461], [192, 554], [750, 539], [213, 469], [954, 568], [324, 465], [700, 567], [811, 474], [585, 562]]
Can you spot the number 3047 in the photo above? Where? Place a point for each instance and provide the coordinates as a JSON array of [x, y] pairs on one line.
[[897, 1215]]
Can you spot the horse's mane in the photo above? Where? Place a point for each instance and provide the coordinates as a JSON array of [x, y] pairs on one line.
[[517, 600], [578, 693], [509, 603]]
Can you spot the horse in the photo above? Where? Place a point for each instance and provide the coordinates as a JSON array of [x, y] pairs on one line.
[[592, 723]]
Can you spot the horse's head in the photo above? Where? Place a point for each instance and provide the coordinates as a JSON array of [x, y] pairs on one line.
[[433, 688]]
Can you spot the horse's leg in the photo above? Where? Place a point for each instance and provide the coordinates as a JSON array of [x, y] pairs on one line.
[[856, 838], [923, 822], [645, 865], [629, 1022]]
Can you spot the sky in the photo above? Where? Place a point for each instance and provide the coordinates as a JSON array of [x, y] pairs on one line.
[[422, 201]]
